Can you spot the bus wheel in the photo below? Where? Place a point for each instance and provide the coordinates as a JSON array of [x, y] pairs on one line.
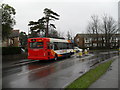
[[56, 57], [69, 55]]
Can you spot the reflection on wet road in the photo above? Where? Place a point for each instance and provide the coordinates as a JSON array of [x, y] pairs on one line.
[[54, 74]]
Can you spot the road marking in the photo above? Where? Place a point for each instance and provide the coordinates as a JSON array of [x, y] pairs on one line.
[[23, 63], [33, 70]]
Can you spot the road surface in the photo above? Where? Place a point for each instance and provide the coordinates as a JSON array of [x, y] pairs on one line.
[[50, 74]]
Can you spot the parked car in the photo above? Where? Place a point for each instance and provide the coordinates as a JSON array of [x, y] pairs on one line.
[[77, 49], [22, 50]]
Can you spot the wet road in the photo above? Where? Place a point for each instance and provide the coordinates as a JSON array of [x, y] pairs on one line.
[[53, 74]]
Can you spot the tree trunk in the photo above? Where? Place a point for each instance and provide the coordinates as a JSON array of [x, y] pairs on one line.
[[46, 33]]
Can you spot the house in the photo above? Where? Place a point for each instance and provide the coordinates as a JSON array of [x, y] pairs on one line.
[[13, 39], [95, 40]]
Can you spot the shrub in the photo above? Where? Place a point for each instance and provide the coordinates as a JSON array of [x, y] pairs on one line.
[[11, 50]]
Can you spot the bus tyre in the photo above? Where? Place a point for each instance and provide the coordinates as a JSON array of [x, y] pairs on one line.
[[56, 57], [70, 54]]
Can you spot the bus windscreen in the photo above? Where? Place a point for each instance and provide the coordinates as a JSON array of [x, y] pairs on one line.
[[36, 45]]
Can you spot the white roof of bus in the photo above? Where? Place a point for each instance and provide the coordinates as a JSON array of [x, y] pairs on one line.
[[58, 40], [55, 40]]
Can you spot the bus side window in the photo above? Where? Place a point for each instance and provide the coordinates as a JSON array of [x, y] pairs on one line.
[[67, 45], [51, 46], [55, 46], [71, 46]]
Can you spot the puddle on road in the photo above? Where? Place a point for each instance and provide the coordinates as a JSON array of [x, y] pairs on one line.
[[11, 71], [40, 74], [48, 70]]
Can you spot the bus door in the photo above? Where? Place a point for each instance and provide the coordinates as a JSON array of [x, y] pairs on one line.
[[50, 47]]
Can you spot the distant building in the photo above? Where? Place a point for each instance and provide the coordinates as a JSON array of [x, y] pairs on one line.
[[13, 39], [87, 40]]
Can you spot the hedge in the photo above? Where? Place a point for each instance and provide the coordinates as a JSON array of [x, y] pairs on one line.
[[11, 50]]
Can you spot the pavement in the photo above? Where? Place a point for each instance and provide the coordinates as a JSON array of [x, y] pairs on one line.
[[110, 78], [12, 63]]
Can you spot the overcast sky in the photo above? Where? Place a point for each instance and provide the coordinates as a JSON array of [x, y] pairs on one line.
[[74, 14]]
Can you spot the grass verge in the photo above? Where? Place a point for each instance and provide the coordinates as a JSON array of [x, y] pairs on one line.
[[91, 76]]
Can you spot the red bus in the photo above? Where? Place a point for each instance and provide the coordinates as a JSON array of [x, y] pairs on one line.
[[49, 48]]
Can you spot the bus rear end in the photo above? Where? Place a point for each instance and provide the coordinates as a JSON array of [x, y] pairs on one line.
[[37, 49]]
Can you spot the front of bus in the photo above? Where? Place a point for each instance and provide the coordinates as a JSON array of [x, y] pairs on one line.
[[37, 49]]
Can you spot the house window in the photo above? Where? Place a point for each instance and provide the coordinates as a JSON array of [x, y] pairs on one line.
[[90, 39], [8, 41], [77, 39], [86, 40], [12, 41], [116, 39], [103, 44], [90, 45], [94, 44]]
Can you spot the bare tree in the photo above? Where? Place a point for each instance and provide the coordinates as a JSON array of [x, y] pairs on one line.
[[61, 34], [94, 27], [69, 35], [53, 33], [108, 28]]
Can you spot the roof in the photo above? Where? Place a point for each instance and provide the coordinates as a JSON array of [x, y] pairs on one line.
[[15, 33], [94, 35]]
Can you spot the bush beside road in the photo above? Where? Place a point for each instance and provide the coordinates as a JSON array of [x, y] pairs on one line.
[[13, 54], [11, 50], [15, 57]]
